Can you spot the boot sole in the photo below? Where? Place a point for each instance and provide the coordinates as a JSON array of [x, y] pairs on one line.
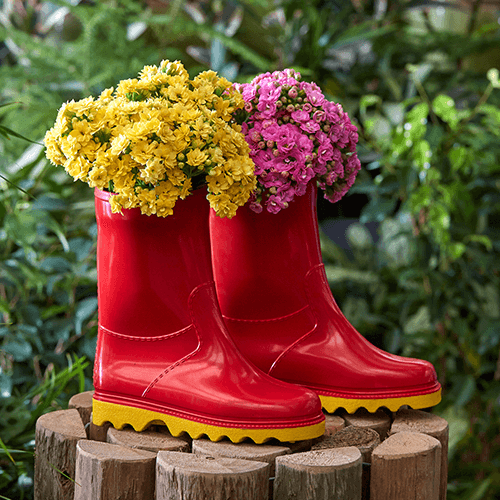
[[119, 415], [330, 404]]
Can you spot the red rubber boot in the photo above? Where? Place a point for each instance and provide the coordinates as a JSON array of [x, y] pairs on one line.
[[279, 309], [163, 351]]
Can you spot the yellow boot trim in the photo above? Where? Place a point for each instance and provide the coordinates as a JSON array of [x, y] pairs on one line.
[[139, 419], [330, 404]]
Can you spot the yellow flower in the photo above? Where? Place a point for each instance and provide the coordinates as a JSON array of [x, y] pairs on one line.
[[186, 188], [196, 157], [98, 177], [151, 135], [154, 171], [119, 145], [141, 151], [147, 201], [78, 167]]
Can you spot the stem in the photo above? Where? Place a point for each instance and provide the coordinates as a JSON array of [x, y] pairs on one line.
[[425, 97], [473, 16]]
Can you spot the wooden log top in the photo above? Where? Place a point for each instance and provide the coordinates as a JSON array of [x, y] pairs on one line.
[[66, 423], [333, 424], [419, 421], [322, 460], [362, 438], [379, 421], [107, 451], [147, 440], [81, 400], [405, 444], [200, 464], [246, 451]]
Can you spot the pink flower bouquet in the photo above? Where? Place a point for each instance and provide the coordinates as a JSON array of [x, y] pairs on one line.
[[296, 135]]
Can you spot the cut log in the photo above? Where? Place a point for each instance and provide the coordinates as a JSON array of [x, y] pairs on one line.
[[379, 421], [333, 424], [432, 425], [98, 432], [83, 403], [365, 439], [107, 472], [362, 438], [333, 474], [186, 476], [56, 436], [406, 466], [243, 451], [147, 440]]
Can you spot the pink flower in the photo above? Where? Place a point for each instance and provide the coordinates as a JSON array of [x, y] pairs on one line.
[[310, 127], [300, 116], [294, 144], [315, 97]]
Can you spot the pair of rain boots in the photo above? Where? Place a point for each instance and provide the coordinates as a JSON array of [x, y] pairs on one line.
[[166, 353]]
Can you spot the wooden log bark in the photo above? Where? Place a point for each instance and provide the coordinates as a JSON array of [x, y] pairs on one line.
[[109, 472], [406, 466], [379, 421], [83, 403], [432, 425], [56, 436], [333, 474], [98, 432], [243, 451], [147, 440], [186, 476]]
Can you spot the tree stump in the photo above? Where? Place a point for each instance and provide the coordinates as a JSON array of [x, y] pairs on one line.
[[406, 466], [242, 451], [333, 474], [83, 403], [364, 439], [379, 421], [98, 432], [109, 472], [333, 424], [186, 476], [56, 436], [147, 440], [432, 425]]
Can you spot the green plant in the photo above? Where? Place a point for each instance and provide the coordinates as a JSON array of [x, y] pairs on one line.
[[18, 415]]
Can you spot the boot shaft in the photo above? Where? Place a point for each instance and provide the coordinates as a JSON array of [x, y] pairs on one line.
[[148, 266], [262, 258]]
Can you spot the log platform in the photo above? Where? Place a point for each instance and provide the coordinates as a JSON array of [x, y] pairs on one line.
[[362, 456]]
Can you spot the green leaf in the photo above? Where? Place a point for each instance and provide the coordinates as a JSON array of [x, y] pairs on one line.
[[19, 349], [458, 157], [444, 107], [6, 132]]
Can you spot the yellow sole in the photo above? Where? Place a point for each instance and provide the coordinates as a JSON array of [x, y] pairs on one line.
[[120, 415], [330, 404]]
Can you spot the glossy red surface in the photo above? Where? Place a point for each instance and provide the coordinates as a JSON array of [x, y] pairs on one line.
[[279, 309], [162, 343]]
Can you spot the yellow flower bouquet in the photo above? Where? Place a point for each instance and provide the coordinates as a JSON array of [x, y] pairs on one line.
[[155, 138]]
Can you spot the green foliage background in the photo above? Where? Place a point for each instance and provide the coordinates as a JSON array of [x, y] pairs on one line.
[[415, 77]]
